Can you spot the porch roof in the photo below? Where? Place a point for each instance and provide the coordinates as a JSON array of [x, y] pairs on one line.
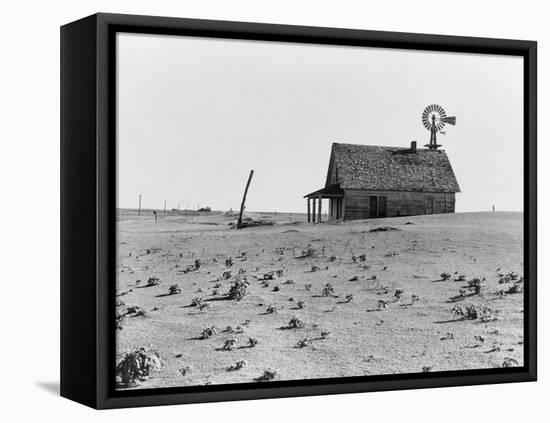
[[330, 191]]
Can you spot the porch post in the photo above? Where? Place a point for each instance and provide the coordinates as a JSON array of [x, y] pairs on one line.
[[313, 210], [308, 211], [320, 204]]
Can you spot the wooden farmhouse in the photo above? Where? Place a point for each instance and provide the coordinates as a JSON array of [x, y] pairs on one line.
[[365, 181]]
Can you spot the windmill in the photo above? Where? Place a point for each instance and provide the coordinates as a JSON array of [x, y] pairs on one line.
[[434, 119]]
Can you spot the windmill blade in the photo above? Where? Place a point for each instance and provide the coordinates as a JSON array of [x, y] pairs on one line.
[[451, 120], [439, 110]]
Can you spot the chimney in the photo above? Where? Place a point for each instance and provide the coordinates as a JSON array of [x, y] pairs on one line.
[[413, 146]]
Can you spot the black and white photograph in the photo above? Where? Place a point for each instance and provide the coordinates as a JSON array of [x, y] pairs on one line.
[[275, 211], [293, 211]]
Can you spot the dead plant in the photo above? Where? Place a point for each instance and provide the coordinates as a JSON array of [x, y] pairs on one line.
[[153, 281], [174, 289], [237, 366], [328, 290], [136, 366], [296, 323], [208, 332]]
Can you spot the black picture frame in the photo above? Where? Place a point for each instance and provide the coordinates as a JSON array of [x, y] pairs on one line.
[[88, 208]]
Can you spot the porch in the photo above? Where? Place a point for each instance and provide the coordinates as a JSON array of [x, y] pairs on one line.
[[335, 196]]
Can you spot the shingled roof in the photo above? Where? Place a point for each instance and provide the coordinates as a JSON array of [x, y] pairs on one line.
[[391, 169]]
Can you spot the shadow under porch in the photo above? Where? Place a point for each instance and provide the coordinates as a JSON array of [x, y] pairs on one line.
[[336, 205]]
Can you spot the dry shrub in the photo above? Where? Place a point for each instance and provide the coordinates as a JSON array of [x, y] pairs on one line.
[[134, 310], [303, 343], [252, 342], [516, 288], [267, 376], [140, 312], [153, 281], [397, 294], [271, 310], [448, 336], [197, 302], [229, 262], [445, 276], [382, 304], [184, 370], [504, 279], [229, 345], [486, 314], [237, 366], [174, 289], [300, 304], [296, 323], [268, 276], [136, 366], [208, 332], [119, 320], [513, 276], [309, 252], [473, 312], [349, 298], [475, 284], [510, 362], [238, 290], [495, 348], [328, 290]]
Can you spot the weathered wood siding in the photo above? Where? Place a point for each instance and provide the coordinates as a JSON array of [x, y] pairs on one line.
[[357, 203]]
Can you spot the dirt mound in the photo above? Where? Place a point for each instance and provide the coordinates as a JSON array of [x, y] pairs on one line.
[[384, 228]]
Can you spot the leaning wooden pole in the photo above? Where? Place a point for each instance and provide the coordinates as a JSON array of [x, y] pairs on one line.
[[240, 222]]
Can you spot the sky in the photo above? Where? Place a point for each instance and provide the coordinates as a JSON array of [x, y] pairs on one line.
[[195, 115]]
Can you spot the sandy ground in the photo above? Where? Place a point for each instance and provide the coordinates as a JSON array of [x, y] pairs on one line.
[[405, 337]]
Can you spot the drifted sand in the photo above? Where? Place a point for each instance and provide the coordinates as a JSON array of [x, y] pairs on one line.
[[404, 338]]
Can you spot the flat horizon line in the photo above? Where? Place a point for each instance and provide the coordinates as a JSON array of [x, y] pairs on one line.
[[294, 212]]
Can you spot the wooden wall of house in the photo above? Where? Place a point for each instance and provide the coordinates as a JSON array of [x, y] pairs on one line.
[[357, 203]]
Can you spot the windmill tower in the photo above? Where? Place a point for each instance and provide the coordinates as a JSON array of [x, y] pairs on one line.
[[434, 119]]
